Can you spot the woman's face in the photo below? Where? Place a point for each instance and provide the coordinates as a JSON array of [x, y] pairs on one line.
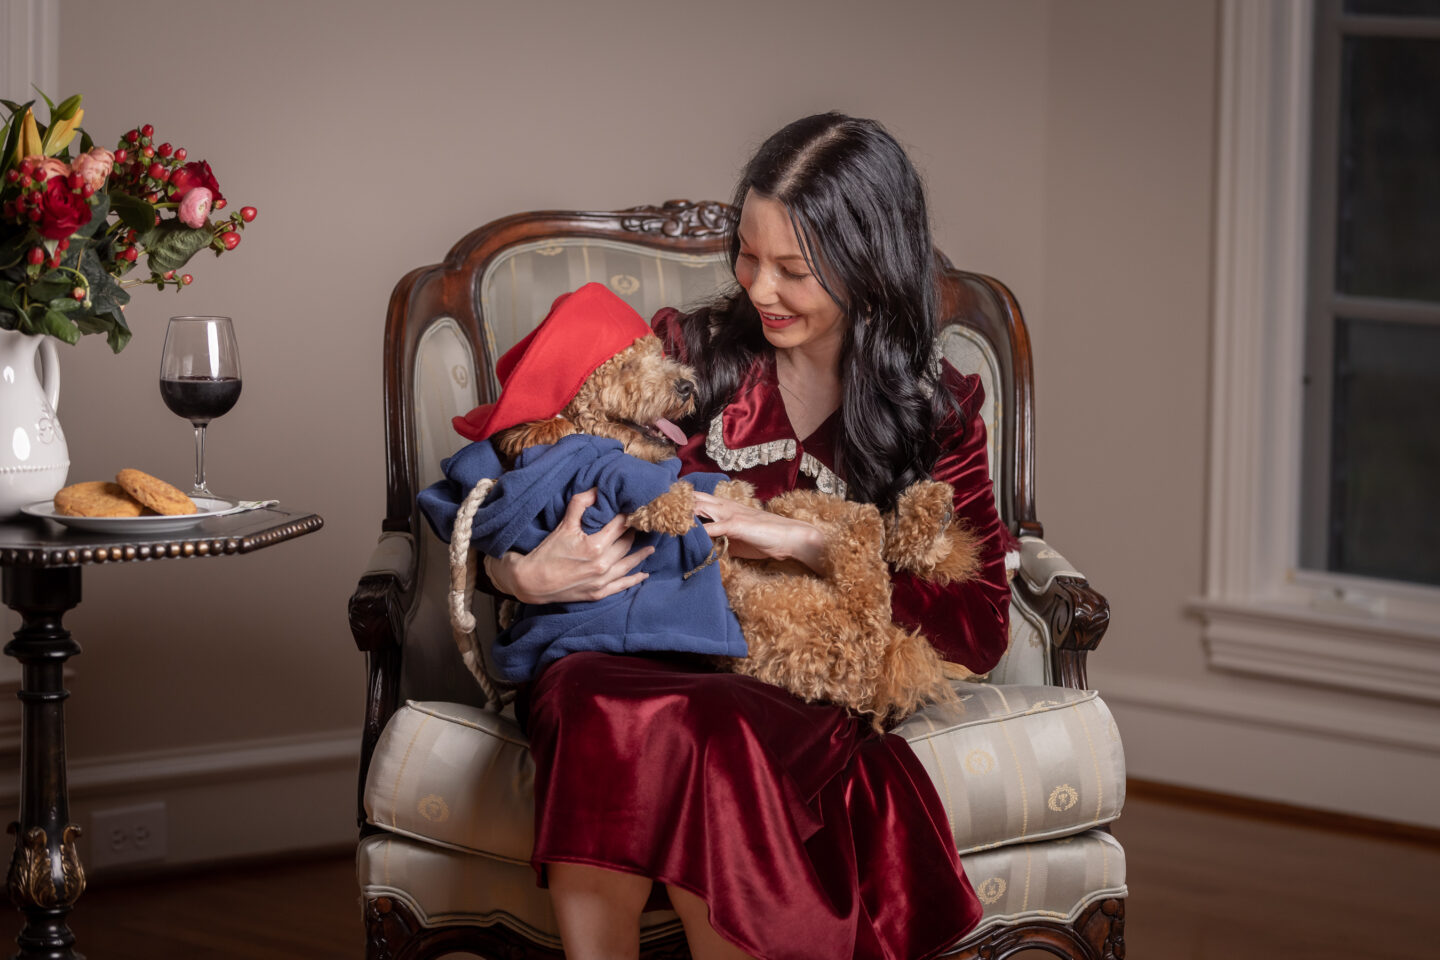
[[795, 310]]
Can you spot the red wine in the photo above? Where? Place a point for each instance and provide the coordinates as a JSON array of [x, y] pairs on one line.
[[200, 399]]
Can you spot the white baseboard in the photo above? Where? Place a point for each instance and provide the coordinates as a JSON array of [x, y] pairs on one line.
[[230, 801], [1328, 753]]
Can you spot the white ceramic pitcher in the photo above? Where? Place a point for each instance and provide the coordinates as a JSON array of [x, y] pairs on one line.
[[34, 459]]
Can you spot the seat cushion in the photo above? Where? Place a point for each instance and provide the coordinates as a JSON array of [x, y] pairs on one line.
[[1053, 880], [1011, 763]]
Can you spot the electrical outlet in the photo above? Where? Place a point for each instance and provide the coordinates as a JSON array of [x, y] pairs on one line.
[[125, 835]]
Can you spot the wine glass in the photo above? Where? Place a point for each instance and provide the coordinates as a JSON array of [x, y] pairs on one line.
[[200, 378]]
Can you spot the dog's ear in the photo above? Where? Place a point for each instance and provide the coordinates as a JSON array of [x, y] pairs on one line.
[[511, 442]]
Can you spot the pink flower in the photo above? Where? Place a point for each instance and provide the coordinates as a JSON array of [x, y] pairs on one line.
[[94, 167], [53, 166], [195, 207], [195, 174]]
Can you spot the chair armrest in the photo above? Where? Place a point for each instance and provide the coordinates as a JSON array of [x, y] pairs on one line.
[[1075, 613], [377, 607], [377, 621]]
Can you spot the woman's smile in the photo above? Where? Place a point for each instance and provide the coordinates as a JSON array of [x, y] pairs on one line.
[[795, 310]]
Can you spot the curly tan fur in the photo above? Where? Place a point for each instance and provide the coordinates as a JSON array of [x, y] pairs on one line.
[[831, 639]]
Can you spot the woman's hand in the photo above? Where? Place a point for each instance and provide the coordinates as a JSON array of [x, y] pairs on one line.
[[570, 565], [759, 535]]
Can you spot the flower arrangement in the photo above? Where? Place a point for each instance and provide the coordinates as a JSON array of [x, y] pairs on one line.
[[71, 229]]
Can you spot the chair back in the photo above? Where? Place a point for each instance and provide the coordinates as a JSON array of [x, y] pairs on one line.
[[449, 322]]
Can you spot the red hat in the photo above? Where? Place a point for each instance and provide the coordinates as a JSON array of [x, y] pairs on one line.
[[582, 331]]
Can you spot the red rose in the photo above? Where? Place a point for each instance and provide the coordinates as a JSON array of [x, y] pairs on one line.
[[194, 174], [62, 210]]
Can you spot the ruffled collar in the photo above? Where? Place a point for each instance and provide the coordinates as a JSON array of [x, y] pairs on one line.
[[753, 430]]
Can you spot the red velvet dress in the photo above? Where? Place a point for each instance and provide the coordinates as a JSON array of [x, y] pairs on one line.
[[807, 834]]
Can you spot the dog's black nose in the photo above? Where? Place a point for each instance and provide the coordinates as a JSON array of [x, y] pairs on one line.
[[684, 388]]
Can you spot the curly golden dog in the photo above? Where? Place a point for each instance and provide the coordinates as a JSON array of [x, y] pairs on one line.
[[825, 638]]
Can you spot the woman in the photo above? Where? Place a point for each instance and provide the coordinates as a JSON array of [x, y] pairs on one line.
[[775, 828]]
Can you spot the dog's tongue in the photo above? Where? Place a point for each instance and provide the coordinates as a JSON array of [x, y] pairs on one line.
[[671, 431]]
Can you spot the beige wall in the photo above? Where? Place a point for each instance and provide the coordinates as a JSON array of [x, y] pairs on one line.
[[1069, 150]]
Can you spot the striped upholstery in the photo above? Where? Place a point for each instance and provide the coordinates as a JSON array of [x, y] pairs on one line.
[[1051, 879], [1010, 763]]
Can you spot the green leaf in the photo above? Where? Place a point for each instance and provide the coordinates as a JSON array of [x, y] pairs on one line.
[[86, 144], [172, 244], [59, 326], [44, 291], [66, 109], [12, 139], [48, 102], [98, 212], [134, 212]]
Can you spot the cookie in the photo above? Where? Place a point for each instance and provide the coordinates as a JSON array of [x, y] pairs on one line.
[[96, 498], [155, 493]]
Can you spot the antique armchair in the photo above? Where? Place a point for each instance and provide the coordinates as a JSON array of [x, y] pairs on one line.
[[1029, 763]]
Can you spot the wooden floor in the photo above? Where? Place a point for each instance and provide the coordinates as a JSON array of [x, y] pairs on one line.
[[1204, 885]]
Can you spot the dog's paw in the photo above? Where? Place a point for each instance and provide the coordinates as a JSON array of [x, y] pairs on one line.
[[672, 512], [739, 491], [920, 538]]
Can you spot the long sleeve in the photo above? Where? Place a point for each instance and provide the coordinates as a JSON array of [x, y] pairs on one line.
[[967, 622]]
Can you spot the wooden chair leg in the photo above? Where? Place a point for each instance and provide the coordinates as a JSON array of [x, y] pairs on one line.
[[1097, 934]]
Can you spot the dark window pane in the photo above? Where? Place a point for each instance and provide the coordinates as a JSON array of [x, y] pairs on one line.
[[1395, 8], [1389, 183], [1385, 450]]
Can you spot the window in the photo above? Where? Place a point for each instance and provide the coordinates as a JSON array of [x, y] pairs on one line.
[[1321, 533], [1371, 480]]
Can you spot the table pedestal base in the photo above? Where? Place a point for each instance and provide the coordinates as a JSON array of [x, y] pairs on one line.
[[45, 877]]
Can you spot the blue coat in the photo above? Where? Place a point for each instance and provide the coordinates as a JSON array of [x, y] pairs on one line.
[[664, 612]]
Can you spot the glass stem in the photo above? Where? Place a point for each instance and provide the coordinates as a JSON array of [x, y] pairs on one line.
[[200, 458]]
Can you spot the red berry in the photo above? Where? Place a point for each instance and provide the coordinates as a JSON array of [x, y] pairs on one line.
[[180, 153], [131, 254], [78, 293], [148, 152], [248, 213], [12, 175], [231, 239], [147, 130], [130, 236], [36, 256], [164, 149], [39, 176], [34, 214], [87, 192], [155, 170], [121, 155], [169, 274], [25, 181], [64, 244], [187, 280], [133, 136], [152, 198], [76, 181], [220, 204]]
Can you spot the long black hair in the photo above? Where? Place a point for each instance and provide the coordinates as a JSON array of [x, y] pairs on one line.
[[858, 207]]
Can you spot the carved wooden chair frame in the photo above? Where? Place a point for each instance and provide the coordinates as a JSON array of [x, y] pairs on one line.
[[1077, 615]]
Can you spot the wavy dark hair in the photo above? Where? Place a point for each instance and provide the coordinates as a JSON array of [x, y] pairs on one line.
[[858, 208]]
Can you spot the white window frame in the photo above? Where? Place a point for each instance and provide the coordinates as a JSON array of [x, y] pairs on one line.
[[1261, 613]]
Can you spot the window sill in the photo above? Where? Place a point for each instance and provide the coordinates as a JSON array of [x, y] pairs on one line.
[[1291, 641]]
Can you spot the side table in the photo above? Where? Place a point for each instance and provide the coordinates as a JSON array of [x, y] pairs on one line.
[[41, 563]]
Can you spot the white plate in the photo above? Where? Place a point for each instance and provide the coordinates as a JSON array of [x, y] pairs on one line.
[[206, 507]]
